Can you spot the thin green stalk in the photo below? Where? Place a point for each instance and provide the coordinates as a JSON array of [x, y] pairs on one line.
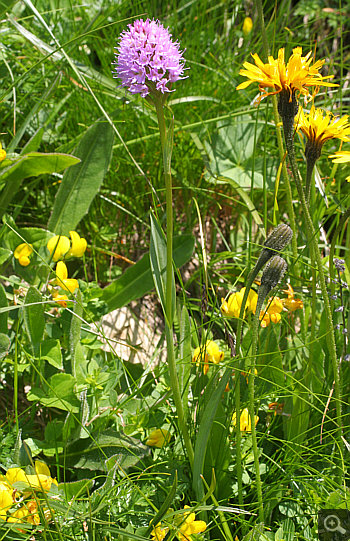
[[166, 144], [311, 235], [289, 198], [15, 381], [251, 391]]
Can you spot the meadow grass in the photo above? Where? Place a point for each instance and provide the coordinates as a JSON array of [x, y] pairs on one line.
[[71, 401]]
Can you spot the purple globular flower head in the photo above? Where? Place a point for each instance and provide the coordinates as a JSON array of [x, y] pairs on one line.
[[147, 59]]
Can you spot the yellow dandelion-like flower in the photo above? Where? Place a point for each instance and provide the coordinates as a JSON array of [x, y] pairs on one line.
[[297, 75], [342, 156], [319, 126]]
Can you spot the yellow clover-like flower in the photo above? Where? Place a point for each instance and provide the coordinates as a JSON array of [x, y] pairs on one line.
[[189, 525], [297, 75], [245, 421], [62, 280], [247, 26], [61, 247], [78, 245], [232, 306], [342, 156], [58, 246], [319, 126], [210, 353], [158, 438], [2, 153], [6, 500], [291, 303], [273, 312], [23, 253], [158, 533]]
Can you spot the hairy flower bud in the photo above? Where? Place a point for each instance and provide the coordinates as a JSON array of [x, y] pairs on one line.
[[279, 237], [273, 273]]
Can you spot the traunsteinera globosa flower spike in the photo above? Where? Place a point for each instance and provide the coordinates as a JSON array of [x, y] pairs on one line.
[[148, 61]]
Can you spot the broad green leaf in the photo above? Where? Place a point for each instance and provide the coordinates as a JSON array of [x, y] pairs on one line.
[[81, 183], [4, 345], [60, 394], [3, 315], [119, 450], [158, 259], [50, 350], [137, 280], [76, 489], [34, 318], [4, 255], [29, 165]]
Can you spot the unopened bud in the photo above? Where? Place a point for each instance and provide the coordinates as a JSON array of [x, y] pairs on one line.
[[278, 238], [273, 273]]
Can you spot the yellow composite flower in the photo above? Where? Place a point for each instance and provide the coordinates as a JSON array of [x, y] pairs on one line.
[[232, 306], [59, 245], [319, 126], [158, 533], [189, 525], [273, 312], [78, 245], [342, 156], [245, 422], [210, 353], [62, 280], [6, 500], [158, 438], [247, 26], [23, 253], [291, 303], [297, 75], [2, 153]]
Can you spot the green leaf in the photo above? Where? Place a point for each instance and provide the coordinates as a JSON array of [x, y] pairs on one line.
[[4, 255], [76, 489], [3, 315], [107, 450], [29, 165], [81, 183], [34, 318], [50, 350], [60, 394], [137, 280], [185, 357], [164, 507], [4, 345], [158, 259], [205, 430]]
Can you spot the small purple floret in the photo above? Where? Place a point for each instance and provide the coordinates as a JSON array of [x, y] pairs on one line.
[[146, 54]]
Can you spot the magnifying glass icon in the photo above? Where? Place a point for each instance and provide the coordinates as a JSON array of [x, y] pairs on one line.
[[332, 524]]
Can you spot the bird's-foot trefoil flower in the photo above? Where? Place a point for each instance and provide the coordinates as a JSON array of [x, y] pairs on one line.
[[23, 253], [159, 532], [210, 353], [148, 61], [188, 525], [245, 422], [61, 247], [159, 438], [273, 312], [62, 280], [291, 303], [2, 153], [247, 26], [232, 306]]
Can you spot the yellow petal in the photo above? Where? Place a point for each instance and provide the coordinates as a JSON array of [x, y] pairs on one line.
[[78, 245], [22, 253], [61, 272], [58, 246]]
